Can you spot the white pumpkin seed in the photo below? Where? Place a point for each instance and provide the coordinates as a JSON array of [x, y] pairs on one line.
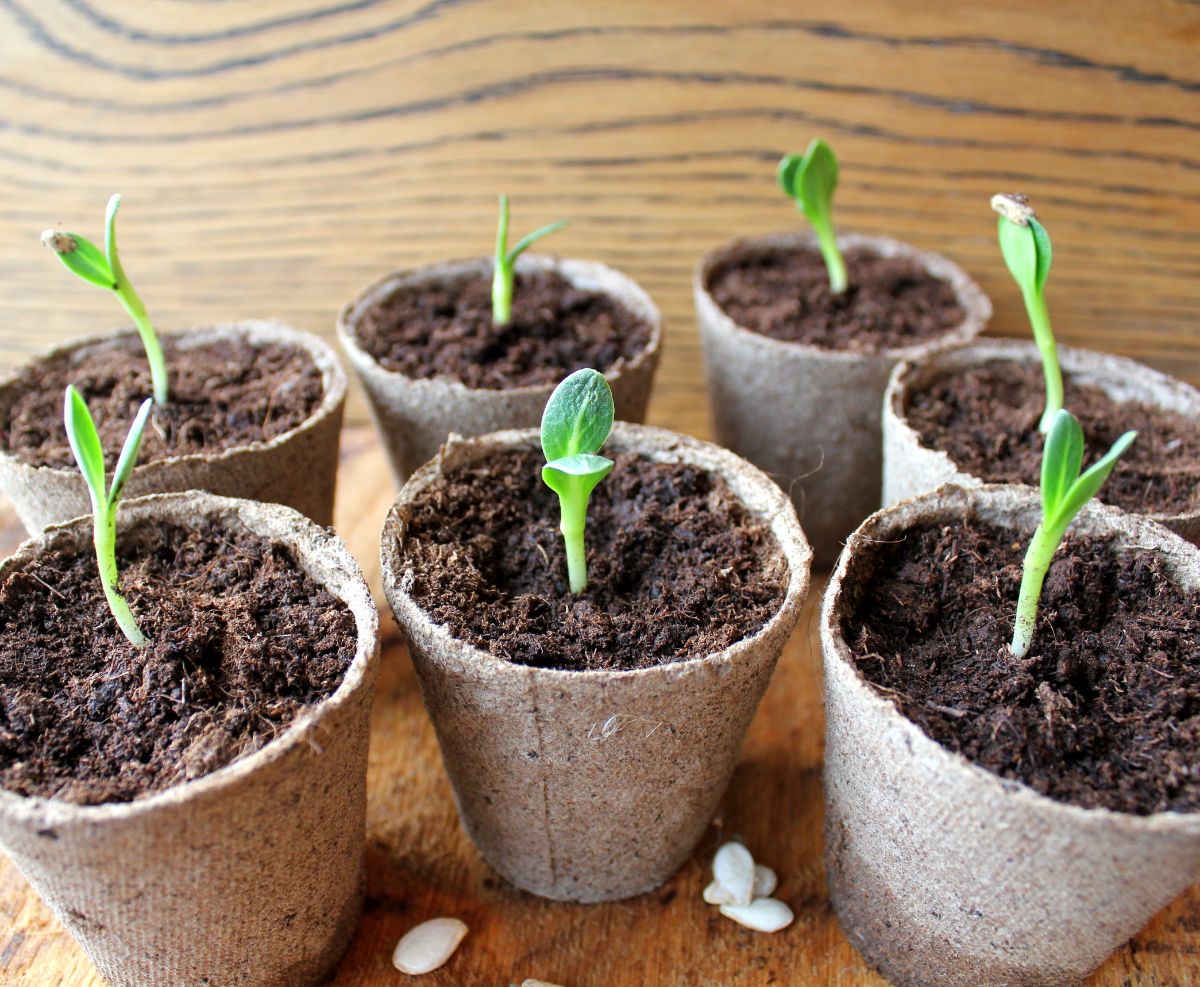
[[537, 983], [714, 894], [427, 946], [762, 914], [765, 881], [733, 867]]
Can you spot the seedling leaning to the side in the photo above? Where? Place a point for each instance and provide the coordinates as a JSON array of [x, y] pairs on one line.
[[505, 261], [1025, 245], [811, 181], [575, 424], [89, 454], [84, 259], [1064, 492]]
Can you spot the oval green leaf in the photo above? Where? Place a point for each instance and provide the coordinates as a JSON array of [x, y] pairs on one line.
[[578, 416]]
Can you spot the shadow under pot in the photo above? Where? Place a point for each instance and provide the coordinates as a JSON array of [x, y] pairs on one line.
[[589, 738], [193, 811], [995, 822], [431, 362], [254, 412], [971, 416], [796, 374]]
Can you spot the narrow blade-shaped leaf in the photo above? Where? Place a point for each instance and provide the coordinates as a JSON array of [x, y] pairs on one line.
[[578, 416], [530, 239], [1062, 460], [1089, 484], [81, 257], [85, 444], [110, 231], [129, 452]]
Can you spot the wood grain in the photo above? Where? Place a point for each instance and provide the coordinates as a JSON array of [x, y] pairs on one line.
[[421, 865], [277, 156]]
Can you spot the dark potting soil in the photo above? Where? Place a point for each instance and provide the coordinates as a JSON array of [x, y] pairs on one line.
[[986, 420], [677, 567], [446, 330], [223, 394], [240, 641], [1104, 711], [889, 302]]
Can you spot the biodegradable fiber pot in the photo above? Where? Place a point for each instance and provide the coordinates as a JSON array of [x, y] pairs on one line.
[[911, 468], [806, 415], [558, 801], [942, 873], [297, 469], [251, 875], [416, 416]]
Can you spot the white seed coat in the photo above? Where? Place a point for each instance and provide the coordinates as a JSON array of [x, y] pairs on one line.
[[537, 983], [762, 914], [733, 867], [427, 946], [714, 894], [765, 882]]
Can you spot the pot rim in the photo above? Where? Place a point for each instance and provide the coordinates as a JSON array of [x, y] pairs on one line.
[[333, 381], [950, 499], [909, 376], [976, 305], [306, 539], [451, 270], [778, 512]]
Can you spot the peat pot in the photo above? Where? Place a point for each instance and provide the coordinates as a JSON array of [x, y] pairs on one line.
[[560, 804], [910, 467], [415, 416], [944, 874], [807, 415], [297, 468], [250, 875]]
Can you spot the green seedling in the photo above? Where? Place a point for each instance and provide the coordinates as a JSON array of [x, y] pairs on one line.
[[811, 181], [1025, 245], [85, 260], [89, 454], [502, 274], [577, 420], [1064, 492]]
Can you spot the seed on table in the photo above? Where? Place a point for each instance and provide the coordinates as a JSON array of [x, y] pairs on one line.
[[427, 946], [715, 894], [733, 867], [762, 914], [765, 882], [537, 983]]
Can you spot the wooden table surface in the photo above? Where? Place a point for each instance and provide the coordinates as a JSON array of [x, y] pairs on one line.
[[276, 156]]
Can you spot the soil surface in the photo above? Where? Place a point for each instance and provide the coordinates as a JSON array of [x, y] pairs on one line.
[[677, 567], [223, 394], [1105, 708], [240, 641], [986, 420], [446, 330], [889, 302]]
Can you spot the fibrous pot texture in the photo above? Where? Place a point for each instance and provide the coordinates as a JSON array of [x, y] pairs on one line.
[[944, 874], [806, 415], [593, 785], [415, 416], [250, 875], [297, 468], [910, 467]]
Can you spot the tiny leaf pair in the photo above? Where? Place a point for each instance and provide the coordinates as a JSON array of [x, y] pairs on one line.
[[503, 271], [811, 181], [1064, 492], [575, 424], [103, 268], [89, 454], [1025, 245]]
